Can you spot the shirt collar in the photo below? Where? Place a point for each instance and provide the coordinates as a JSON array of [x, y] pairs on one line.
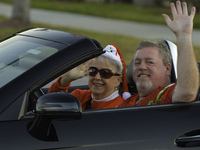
[[111, 97]]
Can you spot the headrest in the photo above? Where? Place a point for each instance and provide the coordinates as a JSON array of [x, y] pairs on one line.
[[174, 53], [173, 50]]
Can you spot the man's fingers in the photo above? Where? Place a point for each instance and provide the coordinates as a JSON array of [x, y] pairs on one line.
[[167, 18], [185, 10], [193, 11], [178, 7], [173, 10]]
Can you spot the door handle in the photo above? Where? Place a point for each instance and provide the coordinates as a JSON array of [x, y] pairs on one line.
[[189, 139]]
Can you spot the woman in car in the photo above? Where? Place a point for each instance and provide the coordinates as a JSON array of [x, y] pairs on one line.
[[106, 72]]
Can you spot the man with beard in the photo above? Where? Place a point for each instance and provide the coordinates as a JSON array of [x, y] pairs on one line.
[[152, 65]]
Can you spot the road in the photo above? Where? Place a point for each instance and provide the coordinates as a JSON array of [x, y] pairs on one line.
[[133, 29]]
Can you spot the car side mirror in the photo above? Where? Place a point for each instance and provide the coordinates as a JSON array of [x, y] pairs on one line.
[[50, 107], [59, 105]]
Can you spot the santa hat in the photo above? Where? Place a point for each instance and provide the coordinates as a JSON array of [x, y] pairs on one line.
[[114, 53]]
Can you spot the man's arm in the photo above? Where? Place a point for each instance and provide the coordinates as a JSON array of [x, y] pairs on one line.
[[187, 70]]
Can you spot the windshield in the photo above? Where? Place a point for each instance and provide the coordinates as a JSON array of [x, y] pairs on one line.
[[20, 54]]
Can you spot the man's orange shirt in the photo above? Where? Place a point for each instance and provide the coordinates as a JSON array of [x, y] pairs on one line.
[[166, 97]]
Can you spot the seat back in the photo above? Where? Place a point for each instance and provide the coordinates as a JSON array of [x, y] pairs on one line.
[[129, 75]]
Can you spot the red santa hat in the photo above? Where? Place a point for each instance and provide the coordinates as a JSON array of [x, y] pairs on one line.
[[114, 53]]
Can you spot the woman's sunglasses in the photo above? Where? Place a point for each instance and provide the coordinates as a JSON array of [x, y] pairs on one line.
[[104, 73]]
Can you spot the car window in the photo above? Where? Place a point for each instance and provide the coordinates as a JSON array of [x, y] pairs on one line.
[[19, 56]]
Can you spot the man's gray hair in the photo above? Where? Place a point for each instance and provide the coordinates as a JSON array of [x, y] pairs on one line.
[[165, 53]]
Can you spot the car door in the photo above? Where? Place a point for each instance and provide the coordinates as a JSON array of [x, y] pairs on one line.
[[147, 127], [142, 128]]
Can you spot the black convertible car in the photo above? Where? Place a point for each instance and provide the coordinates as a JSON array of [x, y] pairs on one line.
[[32, 119]]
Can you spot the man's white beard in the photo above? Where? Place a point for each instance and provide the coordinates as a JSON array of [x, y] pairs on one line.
[[143, 84]]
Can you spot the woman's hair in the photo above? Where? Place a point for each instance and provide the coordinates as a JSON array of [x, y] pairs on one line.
[[117, 65], [163, 49]]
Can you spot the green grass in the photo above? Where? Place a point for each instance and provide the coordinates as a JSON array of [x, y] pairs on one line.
[[108, 10], [117, 11], [121, 11]]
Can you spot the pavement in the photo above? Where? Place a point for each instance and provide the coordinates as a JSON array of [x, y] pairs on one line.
[[99, 24]]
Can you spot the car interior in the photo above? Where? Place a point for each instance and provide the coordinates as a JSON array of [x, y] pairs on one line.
[[131, 84]]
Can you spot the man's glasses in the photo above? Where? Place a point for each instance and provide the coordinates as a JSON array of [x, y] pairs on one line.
[[104, 73]]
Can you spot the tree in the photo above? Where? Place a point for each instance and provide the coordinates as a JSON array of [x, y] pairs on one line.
[[20, 13]]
